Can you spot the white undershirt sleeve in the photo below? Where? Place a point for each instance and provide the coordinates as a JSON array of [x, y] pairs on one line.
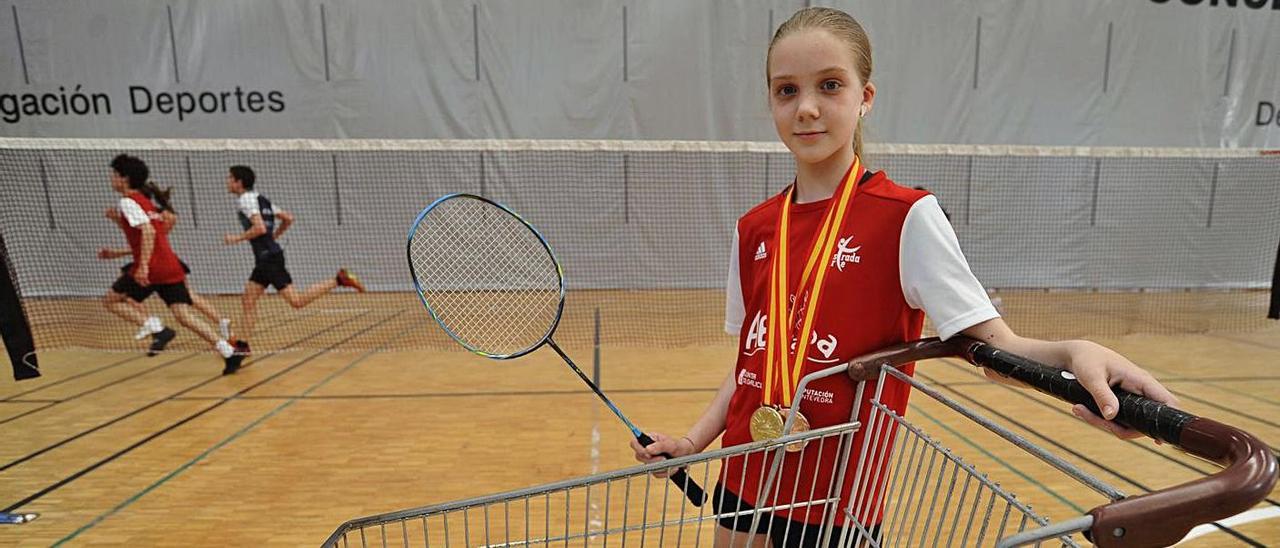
[[248, 204], [935, 275], [133, 213], [734, 310]]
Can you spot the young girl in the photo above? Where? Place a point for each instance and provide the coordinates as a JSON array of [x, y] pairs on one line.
[[843, 262], [168, 219], [156, 269]]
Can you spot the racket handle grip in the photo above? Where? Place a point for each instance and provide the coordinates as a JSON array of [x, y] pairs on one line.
[[1150, 417], [682, 480]]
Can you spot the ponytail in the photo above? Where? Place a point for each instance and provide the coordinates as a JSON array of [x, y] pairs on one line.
[[162, 198]]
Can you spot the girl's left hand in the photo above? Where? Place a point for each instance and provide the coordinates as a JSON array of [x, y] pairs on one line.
[[1099, 368]]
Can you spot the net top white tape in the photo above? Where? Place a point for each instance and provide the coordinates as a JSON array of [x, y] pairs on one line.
[[503, 145]]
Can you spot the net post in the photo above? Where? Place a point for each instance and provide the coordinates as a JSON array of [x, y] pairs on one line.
[[595, 355]]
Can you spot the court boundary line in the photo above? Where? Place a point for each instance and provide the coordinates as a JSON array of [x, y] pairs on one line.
[[184, 356], [172, 397], [1204, 382], [569, 392], [1235, 391], [103, 386], [1196, 399], [1223, 379], [72, 377], [102, 462], [243, 430], [1210, 383], [293, 317], [1172, 330], [1241, 414], [433, 395]]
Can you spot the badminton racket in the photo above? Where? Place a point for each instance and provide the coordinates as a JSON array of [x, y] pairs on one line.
[[491, 281]]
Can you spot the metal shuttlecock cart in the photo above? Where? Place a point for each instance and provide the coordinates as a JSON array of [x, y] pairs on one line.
[[881, 481]]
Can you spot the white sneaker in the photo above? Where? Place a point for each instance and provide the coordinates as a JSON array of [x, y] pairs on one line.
[[149, 327], [224, 328]]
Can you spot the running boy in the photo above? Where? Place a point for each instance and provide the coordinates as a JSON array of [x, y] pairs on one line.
[[263, 224]]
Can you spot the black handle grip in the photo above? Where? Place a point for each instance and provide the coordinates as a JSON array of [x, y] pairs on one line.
[[1152, 418], [682, 480]]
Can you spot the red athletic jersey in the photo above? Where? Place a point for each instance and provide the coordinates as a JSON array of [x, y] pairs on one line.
[[164, 265], [863, 309]]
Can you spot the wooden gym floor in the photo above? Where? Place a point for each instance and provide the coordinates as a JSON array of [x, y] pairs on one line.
[[120, 449]]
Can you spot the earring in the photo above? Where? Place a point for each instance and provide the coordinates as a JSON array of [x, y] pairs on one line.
[[862, 111]]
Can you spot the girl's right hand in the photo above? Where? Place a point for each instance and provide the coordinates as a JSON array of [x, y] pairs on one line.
[[676, 447]]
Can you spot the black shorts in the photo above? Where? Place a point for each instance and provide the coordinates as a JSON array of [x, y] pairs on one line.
[[269, 271], [171, 294], [801, 535], [125, 269]]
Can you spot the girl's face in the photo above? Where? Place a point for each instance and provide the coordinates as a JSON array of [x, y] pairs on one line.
[[815, 95], [119, 183]]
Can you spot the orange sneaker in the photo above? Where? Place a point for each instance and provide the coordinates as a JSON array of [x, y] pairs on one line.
[[347, 279]]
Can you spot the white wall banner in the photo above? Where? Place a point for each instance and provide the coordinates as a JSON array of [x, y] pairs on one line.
[[1199, 73]]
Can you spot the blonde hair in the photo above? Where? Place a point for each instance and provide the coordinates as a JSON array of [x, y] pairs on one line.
[[842, 26]]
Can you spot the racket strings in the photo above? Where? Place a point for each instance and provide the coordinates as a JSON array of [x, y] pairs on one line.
[[486, 276]]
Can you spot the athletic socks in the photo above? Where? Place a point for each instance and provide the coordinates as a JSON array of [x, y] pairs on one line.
[[224, 348], [231, 360], [224, 328], [149, 327]]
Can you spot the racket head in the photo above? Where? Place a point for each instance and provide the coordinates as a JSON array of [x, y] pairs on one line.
[[486, 276]]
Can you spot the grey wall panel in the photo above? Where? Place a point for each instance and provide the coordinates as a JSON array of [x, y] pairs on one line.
[[1041, 72]]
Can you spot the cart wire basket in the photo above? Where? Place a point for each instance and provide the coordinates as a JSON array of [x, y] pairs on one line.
[[880, 480]]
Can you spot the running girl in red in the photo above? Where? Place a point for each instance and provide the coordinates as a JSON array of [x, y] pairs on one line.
[[156, 269], [168, 219]]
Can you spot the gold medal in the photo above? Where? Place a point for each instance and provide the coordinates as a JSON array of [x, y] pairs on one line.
[[801, 424], [766, 424]]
